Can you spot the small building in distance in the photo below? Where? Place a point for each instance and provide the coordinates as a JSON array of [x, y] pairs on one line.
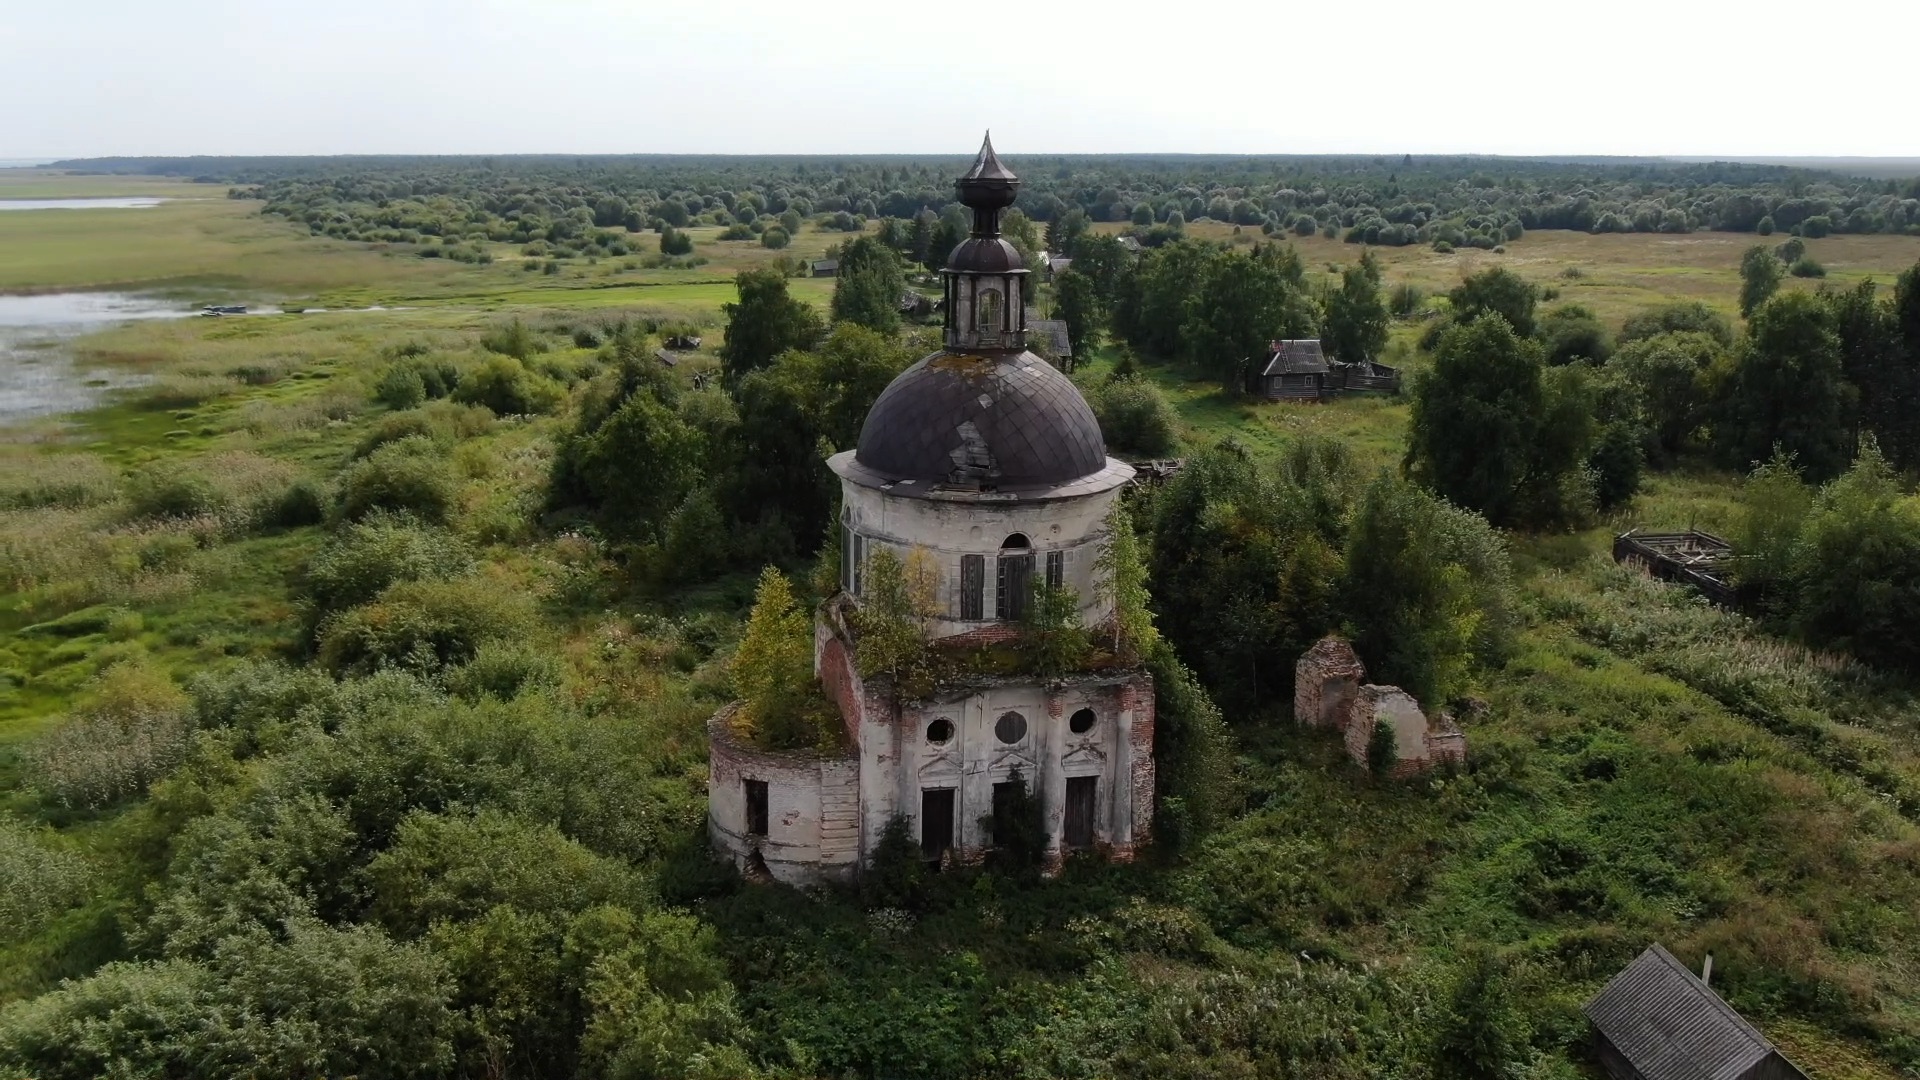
[[917, 305], [1051, 336], [1295, 370], [683, 342], [1657, 1021], [1299, 370], [824, 267]]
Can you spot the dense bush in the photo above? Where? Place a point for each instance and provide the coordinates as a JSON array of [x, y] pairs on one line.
[[504, 385], [37, 880], [1684, 317], [423, 626], [1572, 333], [410, 476], [384, 548], [132, 729], [1135, 417]]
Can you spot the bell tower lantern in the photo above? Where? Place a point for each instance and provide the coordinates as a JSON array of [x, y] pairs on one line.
[[985, 275]]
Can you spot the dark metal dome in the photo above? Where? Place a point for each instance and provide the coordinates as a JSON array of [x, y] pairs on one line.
[[985, 255], [1006, 421]]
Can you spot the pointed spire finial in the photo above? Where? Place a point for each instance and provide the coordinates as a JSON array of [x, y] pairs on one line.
[[987, 166]]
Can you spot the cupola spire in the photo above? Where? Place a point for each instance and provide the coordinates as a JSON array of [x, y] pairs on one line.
[[987, 188]]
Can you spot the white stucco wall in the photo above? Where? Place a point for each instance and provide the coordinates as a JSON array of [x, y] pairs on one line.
[[950, 529]]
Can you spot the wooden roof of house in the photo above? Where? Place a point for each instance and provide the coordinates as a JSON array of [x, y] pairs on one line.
[[1298, 357], [1670, 1026], [1052, 333]]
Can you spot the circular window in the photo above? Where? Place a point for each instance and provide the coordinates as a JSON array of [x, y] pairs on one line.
[[1081, 722], [1011, 728], [940, 731]]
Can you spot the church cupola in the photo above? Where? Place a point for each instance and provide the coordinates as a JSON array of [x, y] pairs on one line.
[[985, 275]]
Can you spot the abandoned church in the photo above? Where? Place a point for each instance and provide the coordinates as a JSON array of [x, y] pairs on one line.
[[983, 461]]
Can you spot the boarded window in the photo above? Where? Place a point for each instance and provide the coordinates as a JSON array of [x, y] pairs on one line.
[[1082, 792], [1007, 797], [1014, 586], [1056, 569], [936, 821], [756, 807], [973, 586]]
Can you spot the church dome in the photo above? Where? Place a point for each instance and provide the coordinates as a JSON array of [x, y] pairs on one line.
[[998, 421], [985, 255]]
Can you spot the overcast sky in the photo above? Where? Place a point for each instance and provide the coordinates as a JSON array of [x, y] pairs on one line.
[[1682, 77]]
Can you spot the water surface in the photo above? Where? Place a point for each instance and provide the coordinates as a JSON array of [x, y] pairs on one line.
[[132, 202], [39, 375]]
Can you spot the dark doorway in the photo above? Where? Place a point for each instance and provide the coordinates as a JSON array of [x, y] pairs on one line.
[[757, 807], [1007, 797], [1081, 794], [936, 822]]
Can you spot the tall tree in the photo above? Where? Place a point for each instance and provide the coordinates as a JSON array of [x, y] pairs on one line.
[[1786, 390], [1073, 292], [1355, 327], [765, 323], [1760, 276], [869, 285], [1500, 291]]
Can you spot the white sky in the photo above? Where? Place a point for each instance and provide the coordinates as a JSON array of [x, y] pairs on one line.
[[1681, 77]]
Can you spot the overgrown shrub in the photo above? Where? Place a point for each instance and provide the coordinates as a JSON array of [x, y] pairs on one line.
[[514, 338], [409, 476], [1807, 267], [424, 626], [377, 552], [67, 481], [504, 385], [134, 727], [37, 880], [169, 491], [1135, 417], [504, 670]]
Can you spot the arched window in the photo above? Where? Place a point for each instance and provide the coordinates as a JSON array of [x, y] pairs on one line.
[[987, 310], [1015, 579]]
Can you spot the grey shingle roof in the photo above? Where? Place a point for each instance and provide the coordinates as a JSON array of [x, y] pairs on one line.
[[1053, 332], [939, 414], [1671, 1026], [1299, 357]]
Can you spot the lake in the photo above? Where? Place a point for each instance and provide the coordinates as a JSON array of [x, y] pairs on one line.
[[138, 202], [38, 372]]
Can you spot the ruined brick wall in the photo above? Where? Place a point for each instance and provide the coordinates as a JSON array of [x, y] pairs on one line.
[[806, 835], [1137, 695], [1326, 681], [1419, 742], [985, 635]]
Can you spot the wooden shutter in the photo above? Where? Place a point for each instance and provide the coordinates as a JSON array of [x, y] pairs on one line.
[[1081, 796], [1015, 582], [973, 586]]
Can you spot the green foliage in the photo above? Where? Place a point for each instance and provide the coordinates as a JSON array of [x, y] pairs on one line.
[[1056, 642], [675, 242], [1192, 751], [1428, 592], [781, 706], [171, 493], [363, 559], [504, 670], [899, 599], [133, 728], [1786, 390], [1489, 432], [505, 386], [775, 239], [410, 476], [1120, 576], [1481, 1034], [1354, 328], [37, 880], [765, 323], [867, 288], [1404, 299], [1759, 279], [1079, 305], [1382, 752], [512, 338], [423, 626], [1497, 291], [1235, 307], [1680, 317], [1572, 333], [624, 421], [896, 873], [1669, 374], [1134, 416], [1807, 267], [1018, 828], [322, 1002]]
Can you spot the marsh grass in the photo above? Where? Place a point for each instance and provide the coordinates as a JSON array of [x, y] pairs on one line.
[[71, 481], [38, 879], [134, 726]]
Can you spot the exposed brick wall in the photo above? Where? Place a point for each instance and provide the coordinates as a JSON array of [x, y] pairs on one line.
[[985, 635], [1420, 742], [1325, 682], [1137, 694]]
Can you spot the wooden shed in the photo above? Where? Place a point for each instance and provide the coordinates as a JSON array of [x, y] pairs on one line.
[[1694, 558], [1296, 371], [1658, 1021]]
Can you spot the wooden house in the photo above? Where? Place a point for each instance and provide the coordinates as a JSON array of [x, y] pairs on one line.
[[1657, 1021], [1296, 371], [1051, 336]]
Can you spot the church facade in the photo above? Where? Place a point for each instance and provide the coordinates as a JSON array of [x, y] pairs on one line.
[[984, 462]]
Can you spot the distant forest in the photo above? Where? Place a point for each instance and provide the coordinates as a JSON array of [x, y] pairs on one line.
[[577, 202]]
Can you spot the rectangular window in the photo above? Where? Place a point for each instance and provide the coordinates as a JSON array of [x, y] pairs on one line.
[[1056, 569], [1016, 582], [1081, 794], [936, 822], [756, 807], [973, 586], [859, 562]]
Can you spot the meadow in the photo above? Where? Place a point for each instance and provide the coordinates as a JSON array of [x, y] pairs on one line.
[[1646, 767]]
